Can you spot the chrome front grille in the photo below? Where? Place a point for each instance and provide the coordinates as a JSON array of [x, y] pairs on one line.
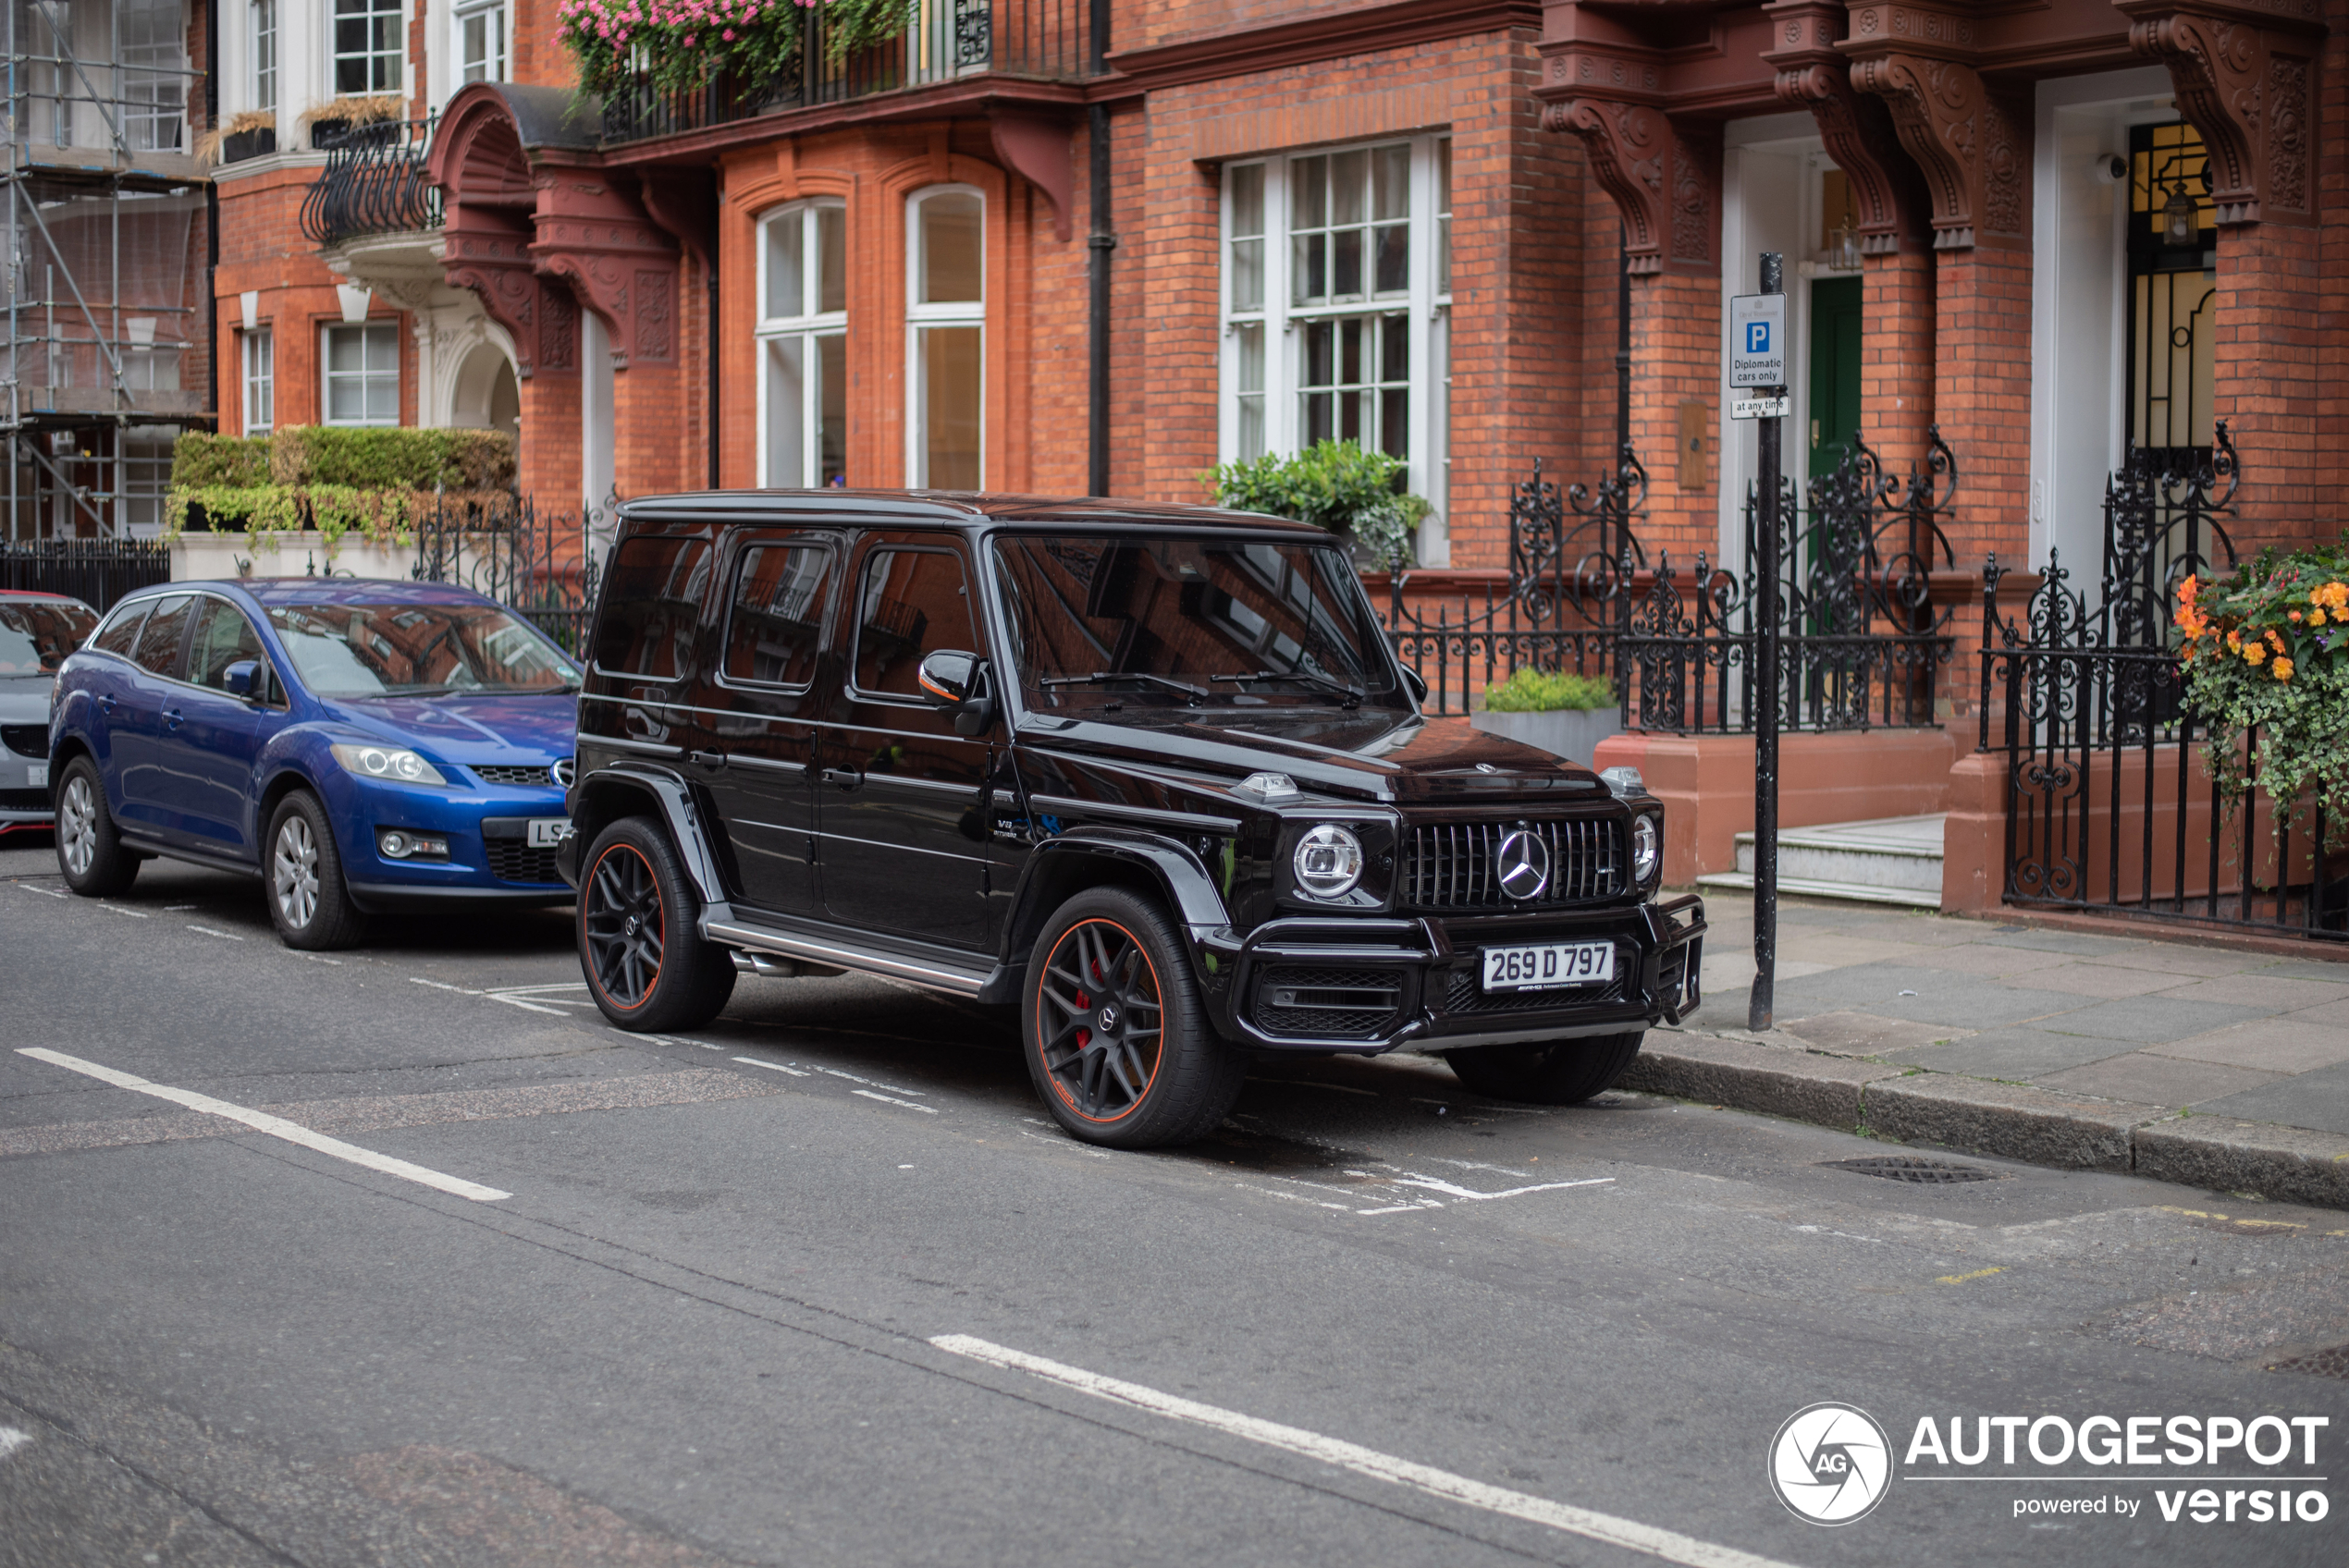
[[1450, 865]]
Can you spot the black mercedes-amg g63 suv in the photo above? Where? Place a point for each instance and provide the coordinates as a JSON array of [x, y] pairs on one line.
[[1151, 773]]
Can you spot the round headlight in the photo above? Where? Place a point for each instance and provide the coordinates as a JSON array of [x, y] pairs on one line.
[[1646, 843], [376, 762], [1328, 862]]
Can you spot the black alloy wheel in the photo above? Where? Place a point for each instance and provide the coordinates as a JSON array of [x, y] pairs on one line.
[[1117, 1039], [1561, 1073], [645, 959]]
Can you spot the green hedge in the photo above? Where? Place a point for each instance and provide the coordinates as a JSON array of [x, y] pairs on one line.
[[1535, 690], [361, 458], [335, 510], [1333, 485]]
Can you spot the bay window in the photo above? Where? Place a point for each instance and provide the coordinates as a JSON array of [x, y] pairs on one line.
[[803, 346], [1336, 304], [946, 337]]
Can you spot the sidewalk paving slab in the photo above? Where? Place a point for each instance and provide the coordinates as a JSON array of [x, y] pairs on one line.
[[2156, 1079], [2018, 1051]]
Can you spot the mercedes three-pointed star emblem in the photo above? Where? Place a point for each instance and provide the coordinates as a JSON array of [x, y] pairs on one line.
[[1522, 864]]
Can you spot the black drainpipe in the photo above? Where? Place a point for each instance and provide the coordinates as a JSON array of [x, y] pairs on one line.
[[212, 209], [709, 269], [1622, 342], [1102, 241]]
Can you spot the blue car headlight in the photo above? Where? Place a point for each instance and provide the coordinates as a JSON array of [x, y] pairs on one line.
[[393, 765]]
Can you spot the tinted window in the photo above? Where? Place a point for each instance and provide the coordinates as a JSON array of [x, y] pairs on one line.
[[121, 633], [37, 634], [777, 619], [159, 639], [223, 637], [910, 604], [652, 600]]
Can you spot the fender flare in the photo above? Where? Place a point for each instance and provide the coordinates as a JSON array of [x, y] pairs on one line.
[[674, 798], [1190, 892]]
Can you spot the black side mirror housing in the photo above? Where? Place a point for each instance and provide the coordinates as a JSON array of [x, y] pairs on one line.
[[1417, 682], [242, 679], [959, 684]]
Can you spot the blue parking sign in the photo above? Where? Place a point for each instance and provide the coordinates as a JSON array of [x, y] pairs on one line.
[[1756, 340]]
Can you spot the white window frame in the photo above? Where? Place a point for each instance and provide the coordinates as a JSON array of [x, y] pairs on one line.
[[329, 375], [1424, 309], [397, 53], [260, 354], [957, 312], [781, 321], [261, 16], [497, 20]]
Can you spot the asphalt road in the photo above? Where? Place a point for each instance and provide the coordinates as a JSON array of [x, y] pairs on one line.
[[820, 1284]]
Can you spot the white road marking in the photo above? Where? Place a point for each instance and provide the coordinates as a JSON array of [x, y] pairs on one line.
[[769, 1066], [441, 985], [1469, 1195], [276, 1126], [133, 913], [1669, 1545], [1399, 1208], [1291, 1197], [526, 1006], [892, 1100], [874, 1083], [1071, 1144], [51, 892], [535, 990], [208, 931], [11, 1439], [310, 958]]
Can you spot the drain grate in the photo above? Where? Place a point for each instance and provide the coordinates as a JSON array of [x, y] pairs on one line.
[[2333, 1363], [1909, 1168]]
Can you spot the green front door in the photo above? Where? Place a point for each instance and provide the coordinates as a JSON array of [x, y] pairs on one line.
[[1835, 369]]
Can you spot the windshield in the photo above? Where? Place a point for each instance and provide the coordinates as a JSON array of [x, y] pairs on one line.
[[417, 650], [36, 634], [1102, 623]]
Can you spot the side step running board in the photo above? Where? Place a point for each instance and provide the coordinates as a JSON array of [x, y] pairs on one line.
[[930, 975]]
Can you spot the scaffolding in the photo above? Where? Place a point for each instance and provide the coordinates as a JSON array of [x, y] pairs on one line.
[[107, 296]]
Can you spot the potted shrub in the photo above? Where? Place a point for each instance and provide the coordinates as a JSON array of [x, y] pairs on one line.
[[327, 123], [248, 133], [1333, 485], [1564, 714]]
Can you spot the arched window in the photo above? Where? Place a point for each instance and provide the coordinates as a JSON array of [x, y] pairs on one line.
[[803, 346], [946, 337]]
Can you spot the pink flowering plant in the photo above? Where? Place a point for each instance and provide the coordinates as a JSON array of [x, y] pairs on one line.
[[677, 45]]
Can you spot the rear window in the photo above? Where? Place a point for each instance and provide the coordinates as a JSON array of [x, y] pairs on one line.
[[651, 602]]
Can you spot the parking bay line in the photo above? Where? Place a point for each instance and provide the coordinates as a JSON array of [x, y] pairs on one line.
[[12, 1439], [276, 1126], [1669, 1545]]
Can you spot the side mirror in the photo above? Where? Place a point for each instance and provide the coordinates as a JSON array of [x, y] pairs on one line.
[[959, 684], [242, 679], [1417, 682]]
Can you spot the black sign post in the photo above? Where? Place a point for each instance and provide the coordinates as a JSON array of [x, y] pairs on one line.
[[1761, 1005]]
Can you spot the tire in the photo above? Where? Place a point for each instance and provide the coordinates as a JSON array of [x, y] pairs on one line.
[[640, 943], [1563, 1073], [302, 877], [1157, 1073], [90, 854]]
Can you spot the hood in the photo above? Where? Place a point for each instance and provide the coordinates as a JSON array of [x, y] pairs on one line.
[[1373, 755], [515, 727]]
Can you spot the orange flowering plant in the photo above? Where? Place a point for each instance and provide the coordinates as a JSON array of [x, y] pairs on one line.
[[2268, 650]]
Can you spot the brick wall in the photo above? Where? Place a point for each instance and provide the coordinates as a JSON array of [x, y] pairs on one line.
[[1982, 395]]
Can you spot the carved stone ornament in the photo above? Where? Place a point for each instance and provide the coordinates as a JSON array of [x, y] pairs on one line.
[[1886, 191], [1972, 145], [1664, 177], [2247, 79]]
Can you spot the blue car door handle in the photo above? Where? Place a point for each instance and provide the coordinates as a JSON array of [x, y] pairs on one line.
[[172, 717], [106, 703]]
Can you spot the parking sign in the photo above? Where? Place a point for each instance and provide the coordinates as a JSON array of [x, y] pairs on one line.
[[1758, 340]]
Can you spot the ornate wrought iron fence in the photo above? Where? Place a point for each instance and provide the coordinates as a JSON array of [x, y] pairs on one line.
[[1863, 643], [374, 183], [1570, 556], [97, 572], [544, 564], [2109, 809]]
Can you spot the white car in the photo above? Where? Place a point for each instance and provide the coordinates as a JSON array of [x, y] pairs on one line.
[[37, 630]]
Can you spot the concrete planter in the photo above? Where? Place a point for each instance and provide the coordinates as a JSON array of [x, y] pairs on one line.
[[205, 557], [1572, 733]]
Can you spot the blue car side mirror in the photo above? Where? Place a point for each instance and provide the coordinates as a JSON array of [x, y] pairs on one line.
[[242, 679]]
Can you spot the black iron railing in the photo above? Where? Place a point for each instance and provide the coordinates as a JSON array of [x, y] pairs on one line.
[[96, 571], [541, 562], [375, 182], [945, 40], [1861, 643]]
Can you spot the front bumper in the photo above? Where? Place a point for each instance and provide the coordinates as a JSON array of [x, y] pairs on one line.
[[1369, 986], [490, 858]]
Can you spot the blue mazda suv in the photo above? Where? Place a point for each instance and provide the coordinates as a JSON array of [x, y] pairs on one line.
[[361, 746]]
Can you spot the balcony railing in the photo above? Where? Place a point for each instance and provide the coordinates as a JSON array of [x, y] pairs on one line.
[[1045, 38], [373, 182]]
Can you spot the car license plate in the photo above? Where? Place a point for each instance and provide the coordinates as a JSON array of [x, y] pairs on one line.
[[1548, 965], [37, 776], [545, 832]]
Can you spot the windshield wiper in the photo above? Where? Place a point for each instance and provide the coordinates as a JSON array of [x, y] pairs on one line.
[[1100, 677], [1352, 694]]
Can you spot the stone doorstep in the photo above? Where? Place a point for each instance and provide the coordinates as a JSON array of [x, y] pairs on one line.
[[2011, 1120]]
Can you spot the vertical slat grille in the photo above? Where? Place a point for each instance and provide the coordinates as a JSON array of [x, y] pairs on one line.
[[1451, 865]]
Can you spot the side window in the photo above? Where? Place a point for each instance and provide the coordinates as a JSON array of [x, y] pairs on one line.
[[120, 633], [776, 621], [223, 637], [652, 601], [158, 649], [912, 602]]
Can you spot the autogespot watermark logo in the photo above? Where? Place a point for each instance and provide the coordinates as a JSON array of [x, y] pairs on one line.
[[1830, 1463]]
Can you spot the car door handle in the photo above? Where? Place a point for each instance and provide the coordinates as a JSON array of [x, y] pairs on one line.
[[172, 717], [707, 759], [843, 778], [106, 703]]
